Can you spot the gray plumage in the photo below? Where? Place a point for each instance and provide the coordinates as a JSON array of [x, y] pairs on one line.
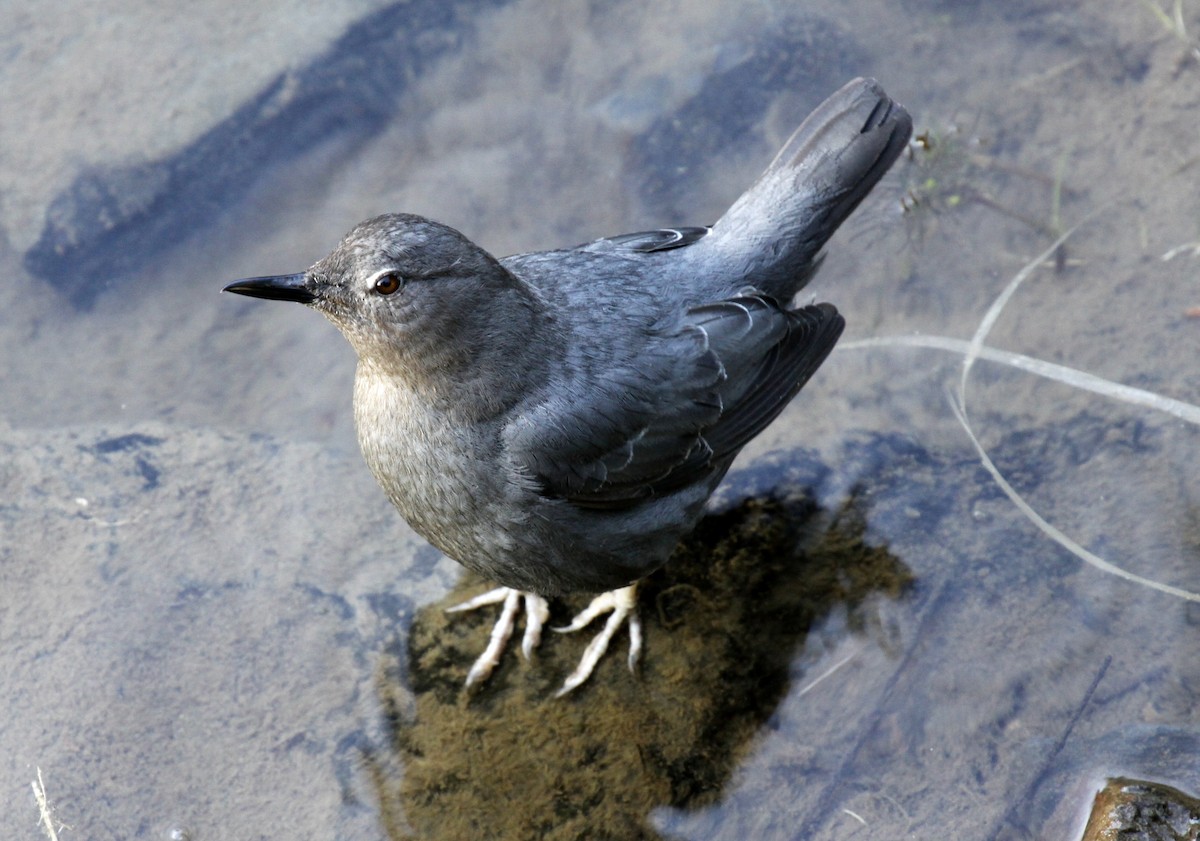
[[556, 421]]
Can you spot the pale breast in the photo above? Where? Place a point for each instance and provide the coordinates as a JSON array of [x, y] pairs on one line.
[[441, 476]]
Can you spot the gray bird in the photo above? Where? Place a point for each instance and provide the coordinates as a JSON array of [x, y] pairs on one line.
[[556, 421]]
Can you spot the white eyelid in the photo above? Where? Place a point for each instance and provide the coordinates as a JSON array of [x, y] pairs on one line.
[[373, 279]]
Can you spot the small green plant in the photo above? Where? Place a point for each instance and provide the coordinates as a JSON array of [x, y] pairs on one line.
[[947, 171]]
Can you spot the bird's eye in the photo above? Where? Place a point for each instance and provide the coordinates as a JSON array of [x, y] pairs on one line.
[[388, 283]]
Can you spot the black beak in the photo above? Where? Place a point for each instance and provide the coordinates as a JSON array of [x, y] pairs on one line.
[[287, 287]]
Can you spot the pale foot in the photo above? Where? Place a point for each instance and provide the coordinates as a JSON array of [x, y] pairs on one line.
[[621, 605], [537, 611]]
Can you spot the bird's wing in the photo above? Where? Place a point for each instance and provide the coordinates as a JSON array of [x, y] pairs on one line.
[[645, 242], [680, 410]]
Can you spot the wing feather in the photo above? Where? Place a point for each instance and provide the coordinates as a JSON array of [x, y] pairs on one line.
[[680, 411]]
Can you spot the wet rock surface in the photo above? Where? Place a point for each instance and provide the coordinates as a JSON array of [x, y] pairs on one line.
[[1140, 810], [206, 629]]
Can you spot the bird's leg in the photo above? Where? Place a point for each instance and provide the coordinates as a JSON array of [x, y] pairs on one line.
[[537, 611], [621, 605]]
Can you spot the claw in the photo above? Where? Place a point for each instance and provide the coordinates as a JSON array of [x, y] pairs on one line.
[[621, 605], [537, 611], [483, 600]]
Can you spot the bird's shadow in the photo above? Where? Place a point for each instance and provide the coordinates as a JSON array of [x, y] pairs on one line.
[[724, 621]]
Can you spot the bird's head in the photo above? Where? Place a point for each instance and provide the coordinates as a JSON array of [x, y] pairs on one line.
[[401, 287]]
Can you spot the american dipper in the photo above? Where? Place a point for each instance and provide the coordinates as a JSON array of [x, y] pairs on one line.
[[555, 421]]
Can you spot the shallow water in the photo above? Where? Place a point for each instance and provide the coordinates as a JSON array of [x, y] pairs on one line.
[[215, 626]]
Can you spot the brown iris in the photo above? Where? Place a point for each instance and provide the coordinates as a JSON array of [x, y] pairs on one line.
[[388, 283]]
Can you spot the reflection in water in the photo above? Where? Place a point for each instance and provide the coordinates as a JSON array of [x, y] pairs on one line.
[[724, 621]]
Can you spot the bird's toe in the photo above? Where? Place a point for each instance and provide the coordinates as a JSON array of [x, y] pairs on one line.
[[621, 607]]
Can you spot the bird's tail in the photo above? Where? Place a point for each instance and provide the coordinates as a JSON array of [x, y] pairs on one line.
[[822, 173]]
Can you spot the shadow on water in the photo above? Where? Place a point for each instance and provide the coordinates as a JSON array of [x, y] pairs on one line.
[[115, 221], [724, 623]]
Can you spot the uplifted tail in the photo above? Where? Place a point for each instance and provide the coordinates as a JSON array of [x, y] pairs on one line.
[[824, 170]]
